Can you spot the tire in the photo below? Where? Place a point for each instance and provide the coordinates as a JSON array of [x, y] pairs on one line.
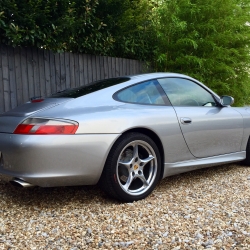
[[247, 160], [132, 169]]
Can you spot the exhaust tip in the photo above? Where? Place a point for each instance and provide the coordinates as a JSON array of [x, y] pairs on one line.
[[21, 183]]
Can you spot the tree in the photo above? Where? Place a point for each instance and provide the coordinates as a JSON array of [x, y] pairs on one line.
[[105, 27], [208, 40], [57, 25], [129, 22]]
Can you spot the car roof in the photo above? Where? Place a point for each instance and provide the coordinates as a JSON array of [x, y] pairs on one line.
[[129, 80], [156, 75]]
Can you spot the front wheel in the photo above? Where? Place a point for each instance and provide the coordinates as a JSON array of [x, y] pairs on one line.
[[247, 160], [132, 169]]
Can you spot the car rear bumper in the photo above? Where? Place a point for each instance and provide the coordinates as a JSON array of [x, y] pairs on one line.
[[55, 160]]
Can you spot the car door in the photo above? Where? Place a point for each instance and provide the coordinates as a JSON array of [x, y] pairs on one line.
[[208, 128]]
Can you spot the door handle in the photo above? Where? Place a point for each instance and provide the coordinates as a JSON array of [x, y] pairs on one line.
[[186, 120]]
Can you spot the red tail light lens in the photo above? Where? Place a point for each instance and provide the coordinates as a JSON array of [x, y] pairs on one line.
[[37, 100], [37, 126]]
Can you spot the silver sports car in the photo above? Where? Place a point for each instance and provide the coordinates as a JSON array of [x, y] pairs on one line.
[[126, 133]]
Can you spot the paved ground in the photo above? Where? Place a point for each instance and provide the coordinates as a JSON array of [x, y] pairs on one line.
[[204, 209]]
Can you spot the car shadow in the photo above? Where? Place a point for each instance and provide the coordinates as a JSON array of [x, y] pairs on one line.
[[55, 197], [52, 196]]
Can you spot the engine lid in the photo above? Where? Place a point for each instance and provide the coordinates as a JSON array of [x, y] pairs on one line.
[[11, 119], [33, 107]]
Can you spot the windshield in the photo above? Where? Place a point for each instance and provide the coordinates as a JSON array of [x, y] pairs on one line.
[[87, 89]]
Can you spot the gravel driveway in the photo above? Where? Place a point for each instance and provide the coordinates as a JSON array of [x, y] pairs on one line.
[[204, 209]]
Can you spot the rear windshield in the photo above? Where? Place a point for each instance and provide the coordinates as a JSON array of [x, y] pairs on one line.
[[87, 89]]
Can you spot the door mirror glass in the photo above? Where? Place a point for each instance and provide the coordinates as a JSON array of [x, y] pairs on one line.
[[226, 100]]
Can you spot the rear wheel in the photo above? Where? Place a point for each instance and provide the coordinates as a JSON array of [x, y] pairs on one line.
[[132, 169]]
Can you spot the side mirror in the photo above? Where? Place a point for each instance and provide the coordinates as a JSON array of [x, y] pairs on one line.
[[226, 100]]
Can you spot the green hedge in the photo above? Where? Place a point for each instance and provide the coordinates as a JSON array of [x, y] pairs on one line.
[[104, 27]]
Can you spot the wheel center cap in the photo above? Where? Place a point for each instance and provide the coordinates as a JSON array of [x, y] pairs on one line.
[[136, 167]]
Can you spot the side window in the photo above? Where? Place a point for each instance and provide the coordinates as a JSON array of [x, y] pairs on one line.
[[183, 92], [142, 93]]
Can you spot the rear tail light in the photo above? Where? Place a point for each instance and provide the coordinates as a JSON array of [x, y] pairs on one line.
[[39, 126], [37, 100]]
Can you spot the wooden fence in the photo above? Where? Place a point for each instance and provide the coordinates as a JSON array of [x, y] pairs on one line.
[[29, 72]]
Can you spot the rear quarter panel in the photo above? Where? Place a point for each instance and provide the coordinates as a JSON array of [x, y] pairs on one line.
[[116, 118]]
